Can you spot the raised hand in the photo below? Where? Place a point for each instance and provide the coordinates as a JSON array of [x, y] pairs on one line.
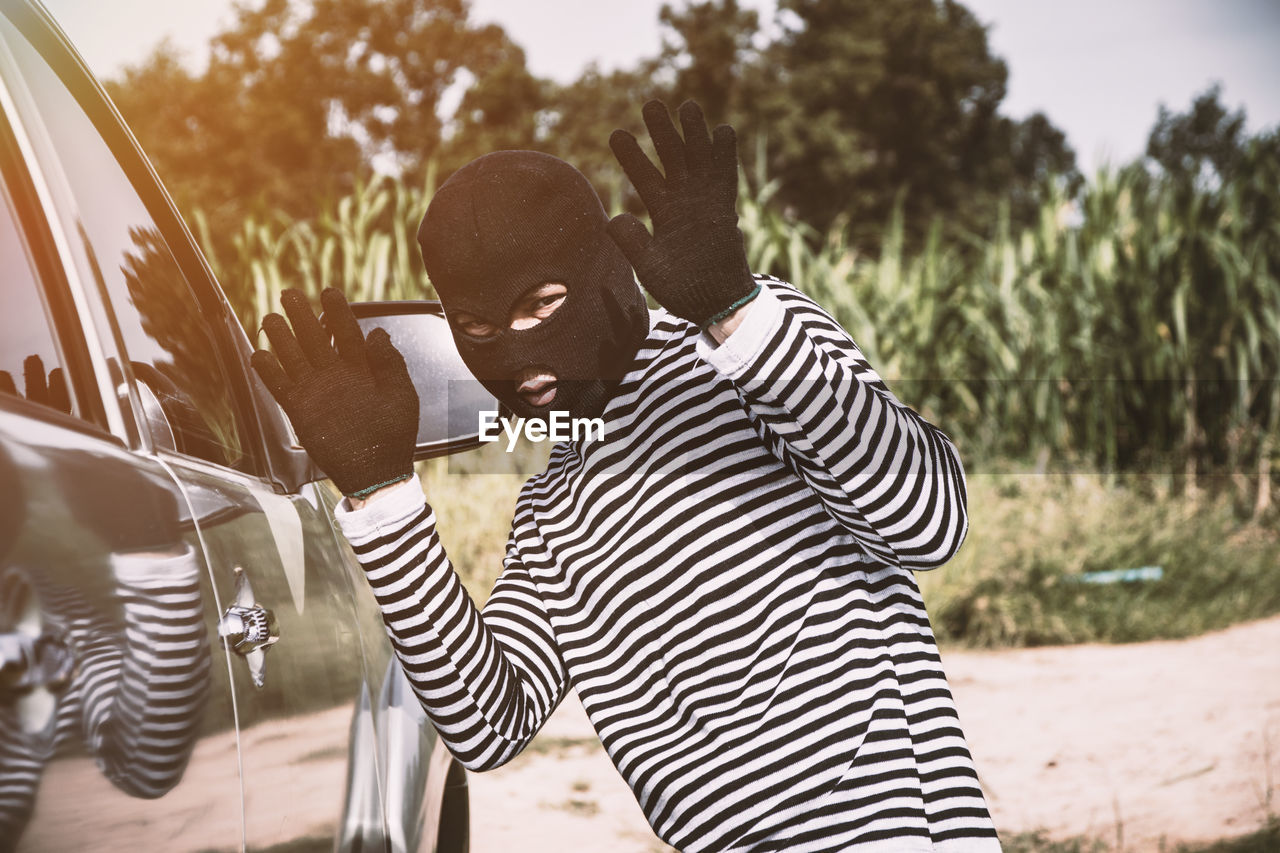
[[694, 263], [50, 391], [352, 403]]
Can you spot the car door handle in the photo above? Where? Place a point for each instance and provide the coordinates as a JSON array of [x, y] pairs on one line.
[[249, 629]]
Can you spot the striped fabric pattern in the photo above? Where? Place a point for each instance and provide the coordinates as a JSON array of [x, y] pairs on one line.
[[726, 581], [139, 690]]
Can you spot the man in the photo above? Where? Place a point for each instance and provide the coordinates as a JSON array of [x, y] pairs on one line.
[[725, 579]]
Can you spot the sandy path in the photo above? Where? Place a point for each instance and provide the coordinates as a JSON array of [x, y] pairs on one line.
[[1179, 739], [1131, 743]]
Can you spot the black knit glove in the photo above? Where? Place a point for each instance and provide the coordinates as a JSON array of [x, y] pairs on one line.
[[694, 264], [51, 391], [355, 409]]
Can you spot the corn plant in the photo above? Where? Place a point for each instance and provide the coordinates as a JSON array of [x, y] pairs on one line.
[[364, 244], [1136, 325]]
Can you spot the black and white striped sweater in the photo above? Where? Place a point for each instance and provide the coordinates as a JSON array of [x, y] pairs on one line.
[[726, 582]]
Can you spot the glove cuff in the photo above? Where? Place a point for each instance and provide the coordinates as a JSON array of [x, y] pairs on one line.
[[368, 490], [720, 315]]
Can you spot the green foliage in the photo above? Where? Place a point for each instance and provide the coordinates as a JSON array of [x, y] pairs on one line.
[[710, 48], [302, 97], [879, 97], [869, 104], [1208, 138], [1136, 330], [363, 243], [1017, 579], [860, 103], [1140, 328], [581, 116], [1265, 840]]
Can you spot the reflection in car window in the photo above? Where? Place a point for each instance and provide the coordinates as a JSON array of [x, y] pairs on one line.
[[169, 345], [30, 363]]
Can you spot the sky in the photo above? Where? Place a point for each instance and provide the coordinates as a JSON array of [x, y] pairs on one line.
[[1098, 68]]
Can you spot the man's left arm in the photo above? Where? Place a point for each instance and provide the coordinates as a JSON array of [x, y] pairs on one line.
[[880, 469], [886, 474]]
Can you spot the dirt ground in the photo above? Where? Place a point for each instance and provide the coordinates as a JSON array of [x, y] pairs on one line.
[[1176, 740]]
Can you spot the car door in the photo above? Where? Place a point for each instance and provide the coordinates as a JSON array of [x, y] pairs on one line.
[[116, 724], [282, 586]]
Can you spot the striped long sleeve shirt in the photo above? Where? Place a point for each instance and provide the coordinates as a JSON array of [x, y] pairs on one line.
[[726, 581]]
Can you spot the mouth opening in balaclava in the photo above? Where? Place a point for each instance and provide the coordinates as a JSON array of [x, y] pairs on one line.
[[506, 223]]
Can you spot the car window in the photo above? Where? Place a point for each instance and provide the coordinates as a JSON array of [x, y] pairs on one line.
[[30, 361], [169, 344]]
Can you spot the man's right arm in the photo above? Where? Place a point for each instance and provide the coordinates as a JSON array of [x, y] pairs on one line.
[[489, 680], [487, 683]]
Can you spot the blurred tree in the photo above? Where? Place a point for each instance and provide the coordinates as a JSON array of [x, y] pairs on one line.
[[300, 97], [877, 98], [710, 50], [582, 114], [708, 54], [1033, 156], [501, 110], [861, 105], [1206, 142]]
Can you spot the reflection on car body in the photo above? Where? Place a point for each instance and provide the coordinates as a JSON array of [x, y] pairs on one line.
[[133, 697]]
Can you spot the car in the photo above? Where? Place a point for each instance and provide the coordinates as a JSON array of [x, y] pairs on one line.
[[190, 658]]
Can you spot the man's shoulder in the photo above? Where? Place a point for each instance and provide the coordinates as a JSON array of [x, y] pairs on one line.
[[800, 304], [670, 337], [774, 283], [785, 291]]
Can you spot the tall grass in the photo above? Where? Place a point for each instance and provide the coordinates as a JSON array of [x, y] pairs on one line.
[[1020, 579], [1134, 328], [363, 243]]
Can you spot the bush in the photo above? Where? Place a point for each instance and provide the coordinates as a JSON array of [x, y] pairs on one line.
[[1017, 580]]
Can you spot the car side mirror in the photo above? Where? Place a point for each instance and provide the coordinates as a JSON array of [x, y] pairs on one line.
[[450, 399]]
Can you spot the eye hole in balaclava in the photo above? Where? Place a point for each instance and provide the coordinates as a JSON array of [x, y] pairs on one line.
[[537, 305], [506, 223]]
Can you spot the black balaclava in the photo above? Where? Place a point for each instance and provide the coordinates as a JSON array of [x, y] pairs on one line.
[[509, 221]]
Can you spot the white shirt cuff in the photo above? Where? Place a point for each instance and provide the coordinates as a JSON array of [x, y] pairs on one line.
[[745, 344], [388, 513], [146, 570]]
